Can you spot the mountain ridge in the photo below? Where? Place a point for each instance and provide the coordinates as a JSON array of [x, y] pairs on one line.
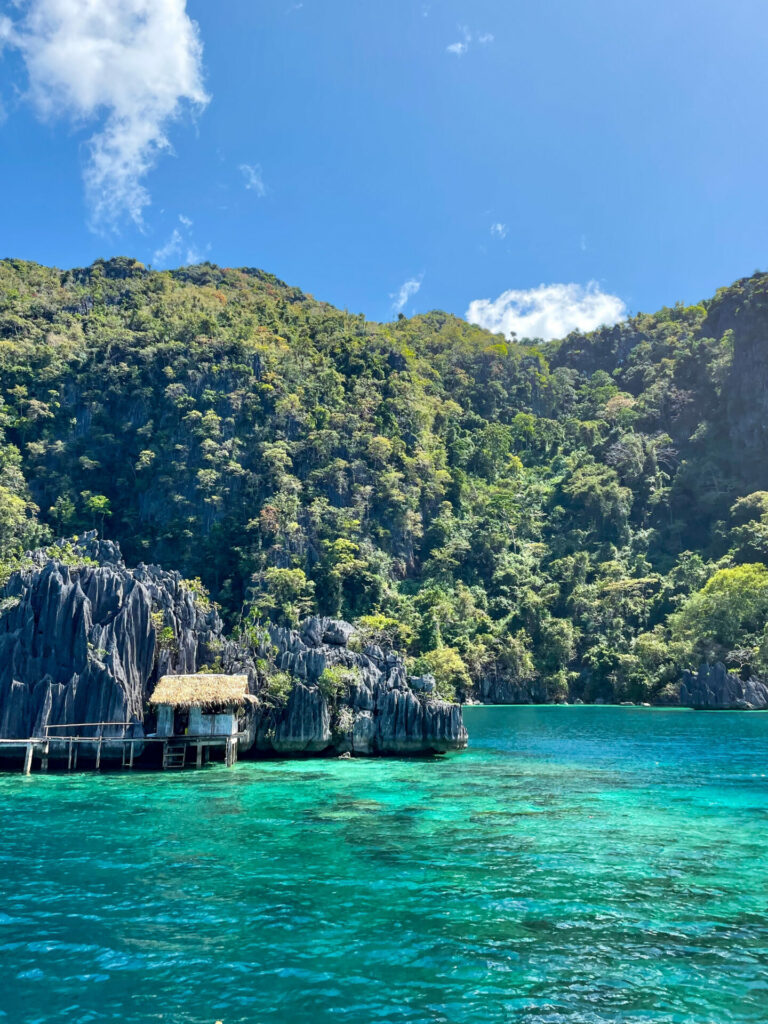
[[523, 517]]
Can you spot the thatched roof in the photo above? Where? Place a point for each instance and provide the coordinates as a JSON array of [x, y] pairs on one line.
[[212, 691]]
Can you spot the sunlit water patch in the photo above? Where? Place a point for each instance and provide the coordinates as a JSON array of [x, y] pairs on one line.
[[580, 865]]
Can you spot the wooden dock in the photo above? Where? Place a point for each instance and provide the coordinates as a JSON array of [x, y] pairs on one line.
[[177, 751], [29, 748]]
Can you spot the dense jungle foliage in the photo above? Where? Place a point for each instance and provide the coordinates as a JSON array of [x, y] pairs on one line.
[[537, 521]]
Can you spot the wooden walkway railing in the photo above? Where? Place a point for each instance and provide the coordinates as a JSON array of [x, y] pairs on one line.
[[175, 748]]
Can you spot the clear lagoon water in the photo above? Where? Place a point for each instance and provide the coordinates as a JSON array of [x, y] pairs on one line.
[[579, 865]]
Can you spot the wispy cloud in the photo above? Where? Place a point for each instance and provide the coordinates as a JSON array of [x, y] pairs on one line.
[[171, 250], [179, 249], [499, 230], [132, 67], [405, 293], [459, 48], [549, 311], [253, 179]]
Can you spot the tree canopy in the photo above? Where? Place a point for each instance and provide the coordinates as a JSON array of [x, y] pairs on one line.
[[544, 514]]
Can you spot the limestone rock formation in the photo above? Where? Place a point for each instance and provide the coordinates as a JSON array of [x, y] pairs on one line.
[[714, 688], [378, 711], [78, 638], [84, 639], [500, 689]]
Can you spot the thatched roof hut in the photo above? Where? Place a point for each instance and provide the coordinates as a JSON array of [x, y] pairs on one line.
[[201, 690]]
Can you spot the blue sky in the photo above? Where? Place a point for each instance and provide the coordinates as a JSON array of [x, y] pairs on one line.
[[385, 154]]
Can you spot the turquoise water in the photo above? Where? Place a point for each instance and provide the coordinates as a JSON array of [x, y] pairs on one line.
[[577, 865]]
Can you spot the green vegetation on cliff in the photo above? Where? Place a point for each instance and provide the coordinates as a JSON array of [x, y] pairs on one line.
[[576, 518]]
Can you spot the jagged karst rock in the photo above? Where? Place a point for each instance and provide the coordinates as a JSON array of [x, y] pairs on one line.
[[500, 689], [423, 684], [79, 643], [305, 726], [714, 687], [384, 715]]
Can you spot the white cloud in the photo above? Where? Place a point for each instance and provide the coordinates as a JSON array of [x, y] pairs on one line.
[[179, 249], [131, 66], [499, 230], [549, 311], [170, 251], [460, 48], [254, 179], [406, 291]]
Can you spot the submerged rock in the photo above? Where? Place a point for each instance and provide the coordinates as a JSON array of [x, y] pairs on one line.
[[713, 687], [85, 640]]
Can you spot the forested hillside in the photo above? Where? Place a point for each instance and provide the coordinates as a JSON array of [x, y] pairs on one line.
[[536, 521]]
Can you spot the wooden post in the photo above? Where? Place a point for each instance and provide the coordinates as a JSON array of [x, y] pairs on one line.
[[230, 755], [69, 757], [46, 751], [28, 758], [98, 754], [130, 763], [199, 762], [74, 760]]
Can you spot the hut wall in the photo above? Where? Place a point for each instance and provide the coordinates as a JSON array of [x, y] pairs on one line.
[[225, 724], [200, 724], [164, 720]]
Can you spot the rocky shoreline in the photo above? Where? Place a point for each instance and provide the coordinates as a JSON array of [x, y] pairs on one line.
[[714, 688], [711, 688], [83, 639]]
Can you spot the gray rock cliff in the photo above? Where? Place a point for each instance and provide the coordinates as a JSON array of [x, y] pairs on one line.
[[84, 639], [714, 688], [500, 689], [78, 639], [378, 710]]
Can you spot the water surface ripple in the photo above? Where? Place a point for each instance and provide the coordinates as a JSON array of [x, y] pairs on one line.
[[579, 865]]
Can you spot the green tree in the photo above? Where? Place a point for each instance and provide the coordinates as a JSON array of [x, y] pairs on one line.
[[449, 670], [729, 611], [286, 598], [98, 506]]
